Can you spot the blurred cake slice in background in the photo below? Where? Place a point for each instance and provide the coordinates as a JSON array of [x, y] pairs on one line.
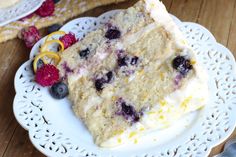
[[7, 3]]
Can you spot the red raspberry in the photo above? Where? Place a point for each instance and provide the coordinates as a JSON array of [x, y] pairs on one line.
[[47, 9], [47, 75], [68, 40], [30, 35]]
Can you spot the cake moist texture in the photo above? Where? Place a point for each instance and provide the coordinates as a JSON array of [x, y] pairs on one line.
[[135, 74]]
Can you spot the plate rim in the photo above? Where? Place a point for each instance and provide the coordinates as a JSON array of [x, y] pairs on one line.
[[22, 15]]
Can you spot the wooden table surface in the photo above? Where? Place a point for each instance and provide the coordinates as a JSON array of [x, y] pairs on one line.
[[219, 16]]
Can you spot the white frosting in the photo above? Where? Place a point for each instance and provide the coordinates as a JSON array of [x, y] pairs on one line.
[[159, 13], [133, 38], [100, 53], [92, 101], [119, 46], [76, 76]]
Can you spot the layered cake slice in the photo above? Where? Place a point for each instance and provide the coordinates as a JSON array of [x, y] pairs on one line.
[[133, 75]]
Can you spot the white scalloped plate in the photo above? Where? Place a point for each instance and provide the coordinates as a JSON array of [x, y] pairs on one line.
[[19, 10], [55, 131]]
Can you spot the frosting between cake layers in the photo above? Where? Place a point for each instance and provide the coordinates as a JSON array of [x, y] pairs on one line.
[[160, 15]]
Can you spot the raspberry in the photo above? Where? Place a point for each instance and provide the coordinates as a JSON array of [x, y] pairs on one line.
[[30, 35], [68, 40], [47, 75], [47, 9]]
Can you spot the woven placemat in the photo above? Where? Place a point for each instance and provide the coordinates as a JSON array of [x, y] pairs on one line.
[[64, 10]]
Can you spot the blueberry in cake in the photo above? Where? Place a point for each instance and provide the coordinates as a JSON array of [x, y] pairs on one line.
[[135, 74]]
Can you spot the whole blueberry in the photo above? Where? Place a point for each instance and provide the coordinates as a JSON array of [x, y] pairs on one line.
[[123, 61], [84, 53], [54, 28], [99, 84], [127, 109], [56, 1], [129, 112], [113, 33], [109, 76], [182, 65], [59, 90], [40, 63], [134, 60]]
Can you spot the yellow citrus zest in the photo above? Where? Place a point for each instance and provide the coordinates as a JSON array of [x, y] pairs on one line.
[[52, 55], [193, 62], [54, 33], [45, 46]]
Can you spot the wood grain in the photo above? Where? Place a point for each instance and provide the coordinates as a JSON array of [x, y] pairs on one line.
[[221, 27], [219, 21], [232, 34], [219, 16], [20, 145], [10, 59], [186, 10]]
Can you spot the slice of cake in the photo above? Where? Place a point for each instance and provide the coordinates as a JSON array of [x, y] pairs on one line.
[[133, 75], [7, 3]]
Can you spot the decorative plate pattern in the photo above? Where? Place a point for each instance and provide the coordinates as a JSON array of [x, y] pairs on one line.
[[18, 11], [55, 131]]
